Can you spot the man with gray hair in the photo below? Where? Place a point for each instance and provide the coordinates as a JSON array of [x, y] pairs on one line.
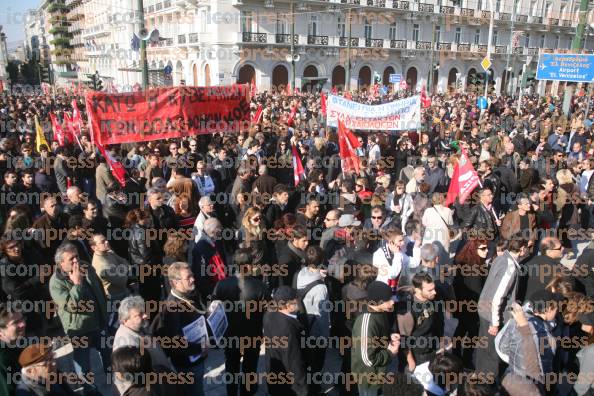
[[133, 331], [80, 300], [75, 201], [264, 183], [430, 265], [207, 210], [208, 260]]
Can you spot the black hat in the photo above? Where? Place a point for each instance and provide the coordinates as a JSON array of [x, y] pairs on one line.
[[284, 293], [541, 299], [378, 292]]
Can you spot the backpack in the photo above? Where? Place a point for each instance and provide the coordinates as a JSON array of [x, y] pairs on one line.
[[307, 320]]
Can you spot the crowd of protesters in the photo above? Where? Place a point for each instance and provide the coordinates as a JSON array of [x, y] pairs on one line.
[[343, 283]]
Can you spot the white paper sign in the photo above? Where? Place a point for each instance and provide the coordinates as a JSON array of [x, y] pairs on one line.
[[217, 321], [196, 332]]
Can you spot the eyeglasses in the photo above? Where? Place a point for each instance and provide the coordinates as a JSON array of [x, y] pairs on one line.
[[377, 217], [359, 185]]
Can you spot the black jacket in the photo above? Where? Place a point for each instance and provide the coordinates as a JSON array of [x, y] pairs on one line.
[[536, 278], [139, 249], [481, 222], [289, 260], [584, 266], [236, 292], [285, 358]]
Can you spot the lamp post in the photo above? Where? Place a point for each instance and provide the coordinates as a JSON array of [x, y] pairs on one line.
[[508, 70], [292, 38], [431, 68], [348, 60], [143, 60], [489, 45]]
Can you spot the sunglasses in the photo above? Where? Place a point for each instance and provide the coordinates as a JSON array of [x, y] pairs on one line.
[[256, 218], [377, 217]]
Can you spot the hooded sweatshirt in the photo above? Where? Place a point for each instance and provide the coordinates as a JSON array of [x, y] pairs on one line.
[[315, 302]]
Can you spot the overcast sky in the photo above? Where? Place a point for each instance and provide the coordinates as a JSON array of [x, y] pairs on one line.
[[12, 16]]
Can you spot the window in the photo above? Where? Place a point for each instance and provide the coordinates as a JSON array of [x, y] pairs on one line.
[[368, 29], [247, 21], [205, 19], [527, 40], [498, 5], [477, 36], [393, 31], [458, 35], [341, 27], [312, 28], [542, 41], [281, 24], [495, 37], [415, 32], [480, 4], [437, 34]]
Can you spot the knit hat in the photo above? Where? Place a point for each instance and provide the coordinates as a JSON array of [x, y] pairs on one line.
[[35, 353], [378, 292]]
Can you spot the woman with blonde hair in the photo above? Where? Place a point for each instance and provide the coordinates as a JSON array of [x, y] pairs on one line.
[[567, 209], [252, 235]]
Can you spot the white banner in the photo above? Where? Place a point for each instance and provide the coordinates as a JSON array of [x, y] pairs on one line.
[[396, 116]]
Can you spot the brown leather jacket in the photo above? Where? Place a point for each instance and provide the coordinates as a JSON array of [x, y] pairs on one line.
[[511, 225]]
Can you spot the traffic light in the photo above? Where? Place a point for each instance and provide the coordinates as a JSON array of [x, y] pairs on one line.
[[44, 73], [95, 82]]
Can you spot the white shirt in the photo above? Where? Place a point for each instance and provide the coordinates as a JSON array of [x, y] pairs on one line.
[[584, 180], [387, 271]]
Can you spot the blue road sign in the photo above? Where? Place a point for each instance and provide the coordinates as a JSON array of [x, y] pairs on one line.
[[566, 67], [395, 78], [168, 69], [482, 103]]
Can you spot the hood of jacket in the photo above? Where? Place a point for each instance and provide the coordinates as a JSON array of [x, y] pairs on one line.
[[307, 276]]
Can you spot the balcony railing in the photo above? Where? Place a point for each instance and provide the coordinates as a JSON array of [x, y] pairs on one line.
[[374, 43], [181, 39], [317, 40], [350, 1], [501, 49], [553, 21], [482, 48], [400, 44], [285, 39], [444, 46], [522, 18], [343, 41], [376, 3], [158, 6], [486, 14], [193, 38], [425, 7], [566, 23], [401, 5], [249, 37], [533, 51], [447, 10], [423, 45], [464, 47], [504, 16], [535, 19], [467, 12], [518, 50]]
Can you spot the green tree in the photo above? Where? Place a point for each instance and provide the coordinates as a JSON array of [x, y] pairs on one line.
[[30, 72], [13, 71]]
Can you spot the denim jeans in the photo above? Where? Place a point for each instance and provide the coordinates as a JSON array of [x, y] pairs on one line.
[[366, 391]]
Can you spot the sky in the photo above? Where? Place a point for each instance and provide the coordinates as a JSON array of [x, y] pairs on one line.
[[12, 16]]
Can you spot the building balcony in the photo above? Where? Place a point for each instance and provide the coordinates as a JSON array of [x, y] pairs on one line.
[[193, 38], [426, 7], [181, 39], [504, 16], [401, 5], [374, 43], [444, 46], [534, 19], [553, 21], [481, 48], [351, 2], [501, 49], [485, 14], [423, 45], [250, 37], [566, 23], [317, 40], [518, 51], [532, 51], [343, 41], [447, 10], [286, 39], [467, 12], [376, 3], [463, 47], [522, 18], [398, 44]]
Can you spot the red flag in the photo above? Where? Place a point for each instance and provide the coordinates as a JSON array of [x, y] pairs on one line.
[[347, 95], [334, 90], [324, 108], [298, 171], [258, 116], [58, 132], [425, 100], [117, 169], [348, 142], [76, 117], [464, 180], [289, 93]]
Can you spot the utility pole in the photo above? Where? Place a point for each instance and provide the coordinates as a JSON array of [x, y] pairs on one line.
[[576, 44], [143, 60], [431, 68], [292, 38], [348, 61], [511, 49], [489, 45]]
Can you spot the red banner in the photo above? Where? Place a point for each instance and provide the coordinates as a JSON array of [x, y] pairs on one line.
[[166, 113], [347, 143], [464, 180]]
